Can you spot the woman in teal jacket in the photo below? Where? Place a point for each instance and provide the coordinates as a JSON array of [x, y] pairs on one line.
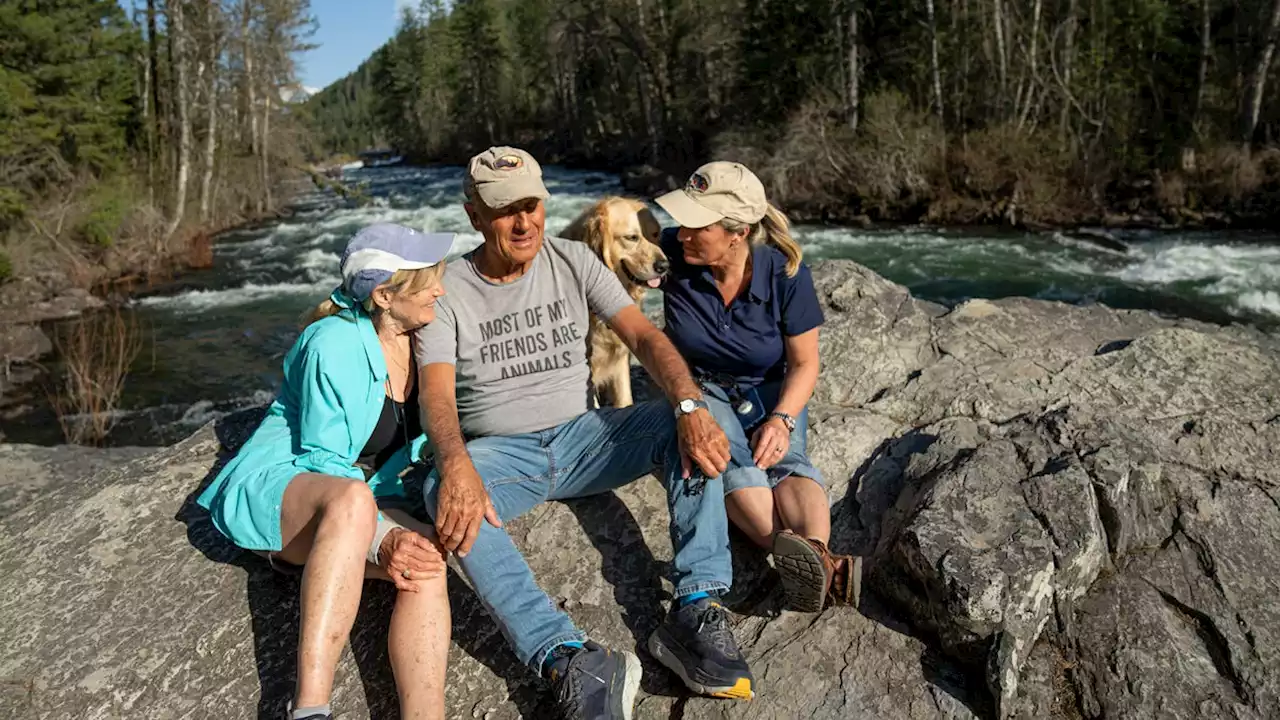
[[318, 483]]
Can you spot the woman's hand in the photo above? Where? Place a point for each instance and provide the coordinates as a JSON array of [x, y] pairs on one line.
[[770, 443], [407, 558]]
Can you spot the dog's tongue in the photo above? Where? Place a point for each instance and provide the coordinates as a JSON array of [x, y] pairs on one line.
[[654, 282]]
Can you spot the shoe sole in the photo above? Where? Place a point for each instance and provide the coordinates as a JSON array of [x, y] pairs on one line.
[[631, 683], [740, 690], [804, 579]]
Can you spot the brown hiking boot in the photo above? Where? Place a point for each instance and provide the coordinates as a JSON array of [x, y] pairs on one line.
[[812, 577]]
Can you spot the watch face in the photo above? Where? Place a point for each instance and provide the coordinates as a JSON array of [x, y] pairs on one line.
[[687, 406]]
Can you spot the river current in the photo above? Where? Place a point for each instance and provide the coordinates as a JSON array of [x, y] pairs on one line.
[[216, 338]]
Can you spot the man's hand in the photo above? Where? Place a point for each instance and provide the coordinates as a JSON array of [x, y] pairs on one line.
[[770, 443], [407, 558], [702, 442], [461, 506]]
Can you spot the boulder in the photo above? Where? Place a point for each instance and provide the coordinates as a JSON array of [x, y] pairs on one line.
[[123, 601], [649, 181], [1066, 512]]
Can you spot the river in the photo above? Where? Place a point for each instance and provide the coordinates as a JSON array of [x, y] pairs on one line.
[[217, 337]]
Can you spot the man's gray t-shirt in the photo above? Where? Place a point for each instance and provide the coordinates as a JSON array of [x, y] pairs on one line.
[[520, 348]]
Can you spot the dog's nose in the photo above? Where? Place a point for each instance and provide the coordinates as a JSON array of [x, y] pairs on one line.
[[661, 266]]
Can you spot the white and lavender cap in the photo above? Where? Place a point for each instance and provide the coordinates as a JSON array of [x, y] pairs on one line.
[[379, 251]]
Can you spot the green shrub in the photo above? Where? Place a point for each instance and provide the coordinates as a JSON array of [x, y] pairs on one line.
[[109, 208]]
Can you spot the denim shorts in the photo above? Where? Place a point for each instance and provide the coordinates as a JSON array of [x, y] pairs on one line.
[[742, 471]]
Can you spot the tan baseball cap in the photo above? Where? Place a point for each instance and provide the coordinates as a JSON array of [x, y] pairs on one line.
[[716, 191], [504, 175]]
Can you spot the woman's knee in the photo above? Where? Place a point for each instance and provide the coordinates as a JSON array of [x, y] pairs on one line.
[[354, 505], [752, 506], [429, 603]]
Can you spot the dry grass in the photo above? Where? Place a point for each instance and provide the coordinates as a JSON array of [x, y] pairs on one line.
[[1004, 175], [817, 161], [97, 351], [1227, 177]]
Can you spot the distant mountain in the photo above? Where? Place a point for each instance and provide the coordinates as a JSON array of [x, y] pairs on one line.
[[297, 93]]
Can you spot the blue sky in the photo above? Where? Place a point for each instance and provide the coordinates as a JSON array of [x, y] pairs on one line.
[[349, 32]]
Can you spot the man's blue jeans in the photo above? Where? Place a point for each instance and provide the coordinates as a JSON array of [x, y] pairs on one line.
[[594, 453]]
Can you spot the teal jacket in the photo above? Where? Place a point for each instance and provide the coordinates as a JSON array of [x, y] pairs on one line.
[[333, 393]]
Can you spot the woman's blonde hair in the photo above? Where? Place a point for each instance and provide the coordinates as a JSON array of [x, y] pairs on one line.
[[774, 229], [403, 281]]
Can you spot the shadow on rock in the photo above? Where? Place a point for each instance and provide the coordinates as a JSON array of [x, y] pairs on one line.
[[273, 600], [631, 570]]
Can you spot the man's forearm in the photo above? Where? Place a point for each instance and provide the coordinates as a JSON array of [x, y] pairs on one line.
[[668, 369], [444, 433]]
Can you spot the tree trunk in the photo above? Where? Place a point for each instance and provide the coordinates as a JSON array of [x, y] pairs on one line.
[[854, 99], [1202, 78], [1033, 84], [1002, 56], [647, 82], [249, 79], [211, 99], [266, 148], [933, 62], [1258, 78], [1068, 58], [177, 36], [153, 53], [148, 118]]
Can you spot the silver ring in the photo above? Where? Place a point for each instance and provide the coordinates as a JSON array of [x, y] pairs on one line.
[[404, 574]]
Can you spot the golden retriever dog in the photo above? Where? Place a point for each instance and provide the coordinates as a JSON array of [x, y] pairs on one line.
[[624, 234]]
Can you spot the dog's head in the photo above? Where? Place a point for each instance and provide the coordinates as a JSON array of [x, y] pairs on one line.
[[624, 234]]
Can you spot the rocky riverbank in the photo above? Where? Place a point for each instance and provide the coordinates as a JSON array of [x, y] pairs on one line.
[[26, 304], [1069, 512]]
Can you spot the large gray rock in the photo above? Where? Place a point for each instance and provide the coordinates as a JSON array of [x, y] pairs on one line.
[[122, 601], [1148, 457], [1067, 512]]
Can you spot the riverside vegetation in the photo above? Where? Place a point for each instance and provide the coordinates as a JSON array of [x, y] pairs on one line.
[[127, 139], [1019, 112]]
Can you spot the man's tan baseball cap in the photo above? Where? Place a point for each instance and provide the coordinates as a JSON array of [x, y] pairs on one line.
[[504, 175], [716, 191]]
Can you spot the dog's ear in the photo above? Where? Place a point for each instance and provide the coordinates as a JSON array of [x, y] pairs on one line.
[[597, 233], [649, 225]]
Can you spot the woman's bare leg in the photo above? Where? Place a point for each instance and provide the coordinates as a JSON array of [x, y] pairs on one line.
[[803, 509], [326, 524], [751, 509], [420, 633], [419, 649]]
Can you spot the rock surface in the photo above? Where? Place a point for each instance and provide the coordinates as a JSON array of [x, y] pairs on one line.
[[1070, 512], [24, 304]]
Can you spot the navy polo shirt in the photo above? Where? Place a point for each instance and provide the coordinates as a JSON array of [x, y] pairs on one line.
[[744, 340]]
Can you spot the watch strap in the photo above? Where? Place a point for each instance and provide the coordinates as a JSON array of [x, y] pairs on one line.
[[696, 405], [786, 419]]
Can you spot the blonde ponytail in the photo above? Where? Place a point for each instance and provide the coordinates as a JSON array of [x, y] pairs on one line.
[[777, 232], [773, 229], [320, 312]]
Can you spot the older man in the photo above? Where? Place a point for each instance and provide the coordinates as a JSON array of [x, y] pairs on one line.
[[505, 392]]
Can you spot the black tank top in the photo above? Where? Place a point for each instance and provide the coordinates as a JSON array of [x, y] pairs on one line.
[[398, 423]]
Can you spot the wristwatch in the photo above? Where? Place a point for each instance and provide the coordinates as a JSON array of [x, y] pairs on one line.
[[688, 405], [786, 419]]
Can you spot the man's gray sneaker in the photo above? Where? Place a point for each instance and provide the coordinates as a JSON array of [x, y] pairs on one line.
[[695, 642], [595, 683]]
